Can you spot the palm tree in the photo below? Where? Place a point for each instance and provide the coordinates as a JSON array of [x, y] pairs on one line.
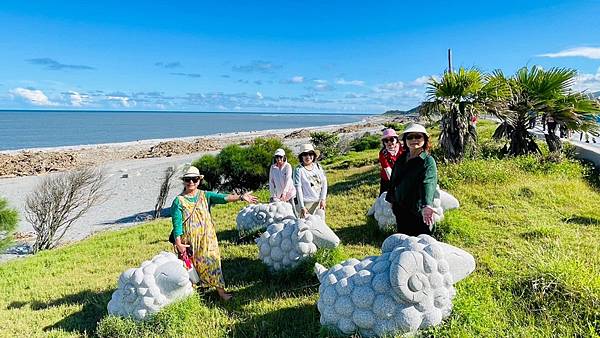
[[457, 98], [534, 92]]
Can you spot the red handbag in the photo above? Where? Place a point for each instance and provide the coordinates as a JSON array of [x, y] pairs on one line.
[[186, 257]]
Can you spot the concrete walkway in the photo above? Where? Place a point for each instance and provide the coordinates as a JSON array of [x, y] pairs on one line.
[[586, 151]]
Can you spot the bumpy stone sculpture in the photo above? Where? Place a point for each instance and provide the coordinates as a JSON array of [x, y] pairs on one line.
[[382, 210], [410, 286], [286, 243], [256, 217], [156, 283]]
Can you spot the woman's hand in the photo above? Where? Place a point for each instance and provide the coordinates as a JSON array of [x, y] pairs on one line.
[[322, 204], [304, 212], [428, 215], [248, 197], [181, 248]]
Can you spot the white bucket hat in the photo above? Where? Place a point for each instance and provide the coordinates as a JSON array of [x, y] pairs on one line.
[[279, 152], [192, 172], [415, 128], [307, 148]]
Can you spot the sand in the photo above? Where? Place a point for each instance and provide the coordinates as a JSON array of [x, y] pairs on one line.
[[133, 184]]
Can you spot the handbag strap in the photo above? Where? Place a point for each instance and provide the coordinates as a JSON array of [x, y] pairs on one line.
[[193, 209]]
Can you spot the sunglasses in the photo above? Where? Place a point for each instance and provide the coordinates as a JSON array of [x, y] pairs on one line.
[[278, 157], [308, 154], [389, 140], [191, 179], [414, 137]]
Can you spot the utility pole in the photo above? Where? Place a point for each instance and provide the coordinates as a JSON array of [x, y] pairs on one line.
[[449, 60]]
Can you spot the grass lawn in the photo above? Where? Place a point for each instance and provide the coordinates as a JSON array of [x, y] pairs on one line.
[[532, 225]]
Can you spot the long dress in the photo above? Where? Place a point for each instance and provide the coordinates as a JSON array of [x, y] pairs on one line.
[[199, 232]]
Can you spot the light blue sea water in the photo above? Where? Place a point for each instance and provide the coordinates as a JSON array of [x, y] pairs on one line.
[[34, 129]]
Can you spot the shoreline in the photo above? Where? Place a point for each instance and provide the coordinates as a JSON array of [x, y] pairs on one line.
[[150, 142], [133, 183]]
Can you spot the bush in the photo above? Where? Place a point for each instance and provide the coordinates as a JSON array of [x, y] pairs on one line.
[[208, 165], [367, 141], [237, 168], [60, 200], [8, 221], [326, 142], [398, 127]]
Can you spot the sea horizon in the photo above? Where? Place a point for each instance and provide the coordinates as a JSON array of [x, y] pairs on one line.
[[36, 129], [182, 111]]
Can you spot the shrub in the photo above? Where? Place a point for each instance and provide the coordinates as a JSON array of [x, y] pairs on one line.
[[60, 200], [208, 165], [398, 127], [237, 168], [164, 191], [8, 221], [326, 142], [367, 141], [8, 217]]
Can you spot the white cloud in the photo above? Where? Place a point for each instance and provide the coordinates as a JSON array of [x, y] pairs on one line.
[[420, 81], [586, 52], [351, 82], [78, 99], [294, 80], [259, 95], [391, 86], [320, 81], [124, 101], [34, 96], [587, 82]]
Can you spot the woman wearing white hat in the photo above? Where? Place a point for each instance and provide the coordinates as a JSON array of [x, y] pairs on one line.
[[310, 182], [281, 185], [413, 183], [193, 228]]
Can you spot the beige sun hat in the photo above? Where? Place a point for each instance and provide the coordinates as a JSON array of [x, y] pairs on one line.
[[192, 172], [415, 128], [307, 148]]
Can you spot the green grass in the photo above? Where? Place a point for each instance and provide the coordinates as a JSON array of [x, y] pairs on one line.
[[533, 227]]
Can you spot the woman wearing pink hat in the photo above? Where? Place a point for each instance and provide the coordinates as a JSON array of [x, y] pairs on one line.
[[387, 157]]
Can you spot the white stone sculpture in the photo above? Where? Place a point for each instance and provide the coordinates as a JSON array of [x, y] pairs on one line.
[[382, 209], [145, 290], [256, 217], [286, 243], [408, 287]]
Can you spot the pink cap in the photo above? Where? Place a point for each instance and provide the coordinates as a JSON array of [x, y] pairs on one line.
[[389, 133]]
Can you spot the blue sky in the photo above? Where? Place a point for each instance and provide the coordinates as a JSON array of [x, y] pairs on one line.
[[276, 56]]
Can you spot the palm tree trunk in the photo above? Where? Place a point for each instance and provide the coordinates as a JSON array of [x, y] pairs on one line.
[[553, 141]]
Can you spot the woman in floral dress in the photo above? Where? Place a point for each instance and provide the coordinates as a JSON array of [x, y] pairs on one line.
[[194, 228]]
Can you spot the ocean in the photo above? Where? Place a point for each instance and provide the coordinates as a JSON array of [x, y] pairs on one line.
[[37, 129]]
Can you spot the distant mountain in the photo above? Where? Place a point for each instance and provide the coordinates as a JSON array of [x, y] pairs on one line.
[[596, 94], [412, 111]]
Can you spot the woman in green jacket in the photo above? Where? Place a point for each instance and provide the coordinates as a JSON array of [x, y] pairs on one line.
[[413, 184]]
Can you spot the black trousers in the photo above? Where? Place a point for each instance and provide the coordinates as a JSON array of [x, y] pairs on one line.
[[408, 222], [383, 186]]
